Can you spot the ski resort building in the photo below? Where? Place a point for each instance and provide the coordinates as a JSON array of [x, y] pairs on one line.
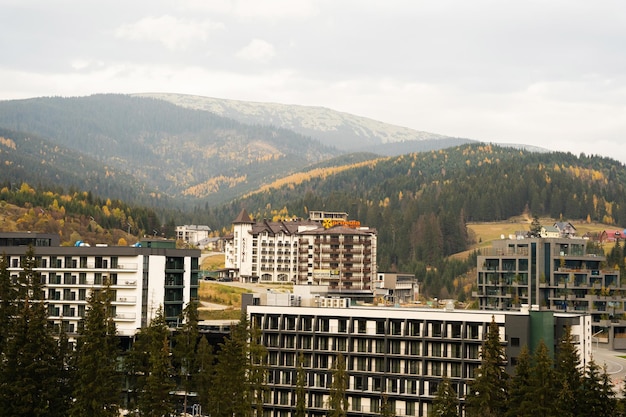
[[399, 353], [327, 249], [143, 277], [554, 274]]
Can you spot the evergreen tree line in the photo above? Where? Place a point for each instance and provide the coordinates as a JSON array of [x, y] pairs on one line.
[[540, 385], [42, 374]]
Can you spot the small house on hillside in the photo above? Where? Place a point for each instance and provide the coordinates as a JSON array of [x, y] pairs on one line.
[[549, 231], [566, 229], [612, 235]]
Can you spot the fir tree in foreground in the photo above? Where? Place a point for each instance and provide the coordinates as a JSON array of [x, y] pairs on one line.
[[185, 347], [446, 402], [300, 387], [488, 395], [32, 379], [155, 399], [229, 394], [337, 400], [568, 377], [520, 396], [97, 383]]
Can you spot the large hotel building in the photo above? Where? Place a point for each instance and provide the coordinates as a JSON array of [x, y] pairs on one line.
[[326, 249], [143, 277], [400, 354], [555, 273]]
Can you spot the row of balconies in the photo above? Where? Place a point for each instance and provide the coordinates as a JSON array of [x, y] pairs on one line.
[[90, 282]]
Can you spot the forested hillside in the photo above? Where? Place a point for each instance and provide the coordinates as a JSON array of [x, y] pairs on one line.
[[176, 151], [76, 215], [420, 202], [33, 160]]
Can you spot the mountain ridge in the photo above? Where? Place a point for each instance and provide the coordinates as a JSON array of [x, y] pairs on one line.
[[315, 121]]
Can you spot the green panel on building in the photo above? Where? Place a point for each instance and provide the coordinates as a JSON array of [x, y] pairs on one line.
[[542, 327]]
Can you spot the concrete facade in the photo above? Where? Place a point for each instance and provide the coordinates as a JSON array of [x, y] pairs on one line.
[[327, 251], [402, 353], [142, 278], [554, 274]]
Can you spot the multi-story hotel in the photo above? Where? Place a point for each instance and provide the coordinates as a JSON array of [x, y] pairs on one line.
[[400, 353], [142, 277], [554, 274], [192, 233], [326, 249]]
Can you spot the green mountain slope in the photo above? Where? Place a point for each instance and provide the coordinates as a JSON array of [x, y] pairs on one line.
[[420, 202], [31, 159], [177, 151]]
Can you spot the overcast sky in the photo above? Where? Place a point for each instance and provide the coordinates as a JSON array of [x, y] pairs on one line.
[[546, 73]]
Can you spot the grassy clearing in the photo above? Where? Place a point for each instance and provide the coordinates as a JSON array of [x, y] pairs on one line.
[[229, 314], [485, 233], [212, 262], [226, 295]]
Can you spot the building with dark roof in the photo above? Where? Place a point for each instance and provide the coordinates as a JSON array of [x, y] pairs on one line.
[[330, 250]]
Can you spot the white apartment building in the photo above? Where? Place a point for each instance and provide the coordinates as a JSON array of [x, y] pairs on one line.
[[402, 353], [192, 233], [327, 251], [142, 278]]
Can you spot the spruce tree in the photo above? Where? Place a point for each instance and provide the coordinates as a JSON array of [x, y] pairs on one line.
[[31, 382], [488, 393], [257, 370], [338, 400], [97, 387], [520, 395], [184, 351], [230, 391], [446, 402], [204, 377], [300, 387], [568, 376], [542, 382], [7, 303], [598, 397], [155, 399]]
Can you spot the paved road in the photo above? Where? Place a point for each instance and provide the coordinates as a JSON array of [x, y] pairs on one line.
[[615, 365]]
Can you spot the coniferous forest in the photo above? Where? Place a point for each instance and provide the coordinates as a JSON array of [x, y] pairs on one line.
[[419, 203], [42, 373]]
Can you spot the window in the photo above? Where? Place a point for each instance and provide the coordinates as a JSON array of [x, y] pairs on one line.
[[361, 345], [361, 364], [410, 408], [396, 327], [394, 347], [414, 348], [380, 327], [412, 367], [375, 405], [456, 330], [394, 366], [455, 370], [343, 325], [323, 325], [414, 328], [362, 326], [471, 351], [432, 388], [356, 403], [411, 387], [377, 384], [360, 383], [379, 365], [515, 341], [436, 329]]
